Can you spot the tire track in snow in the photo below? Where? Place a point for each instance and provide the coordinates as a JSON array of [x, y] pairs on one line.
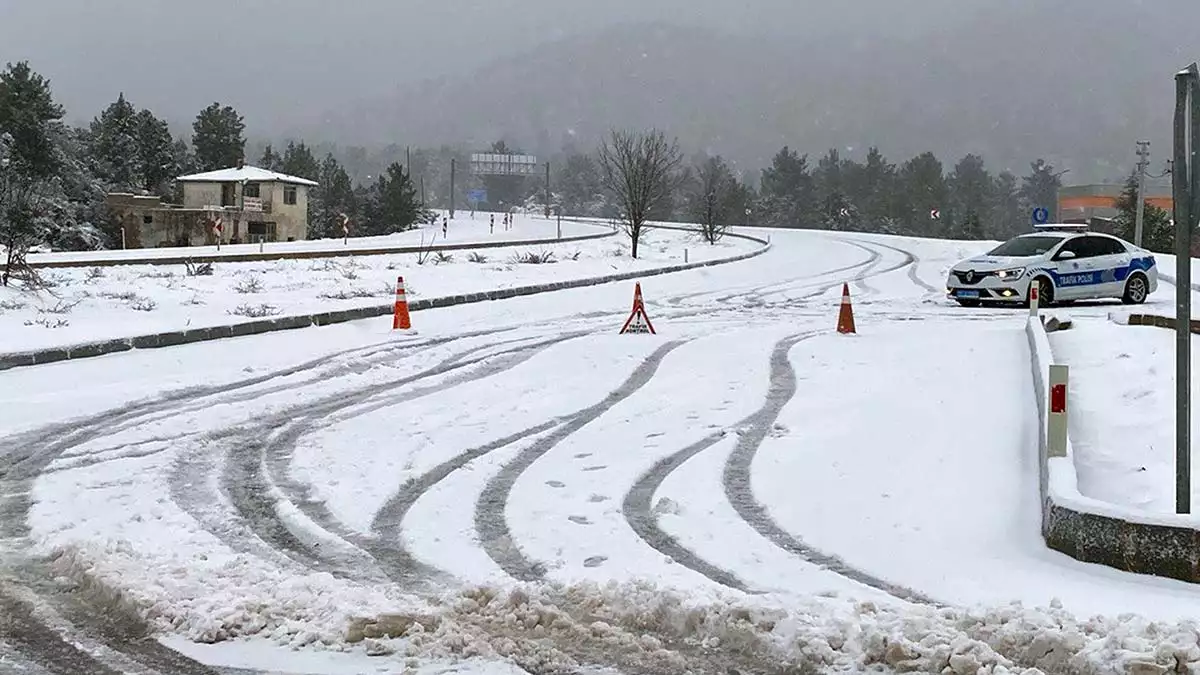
[[913, 261], [399, 563], [636, 508], [30, 453], [490, 522], [739, 492], [256, 464]]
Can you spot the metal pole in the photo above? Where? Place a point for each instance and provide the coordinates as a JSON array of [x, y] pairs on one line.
[[1183, 194], [547, 189], [1143, 161], [452, 187]]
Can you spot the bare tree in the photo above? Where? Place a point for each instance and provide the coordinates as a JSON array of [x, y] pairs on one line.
[[714, 197], [640, 171]]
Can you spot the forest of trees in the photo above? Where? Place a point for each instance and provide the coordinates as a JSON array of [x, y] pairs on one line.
[[53, 179]]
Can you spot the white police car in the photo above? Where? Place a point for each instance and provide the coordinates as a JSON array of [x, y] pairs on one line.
[[1066, 262]]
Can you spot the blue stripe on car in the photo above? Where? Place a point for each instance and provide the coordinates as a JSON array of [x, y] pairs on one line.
[[1094, 277]]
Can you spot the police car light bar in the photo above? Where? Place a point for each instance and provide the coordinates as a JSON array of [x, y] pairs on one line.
[[1062, 227]]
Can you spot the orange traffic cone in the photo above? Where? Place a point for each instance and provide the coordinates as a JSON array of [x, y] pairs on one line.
[[400, 320], [846, 315]]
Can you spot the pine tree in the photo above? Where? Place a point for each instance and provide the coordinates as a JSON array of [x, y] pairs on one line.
[[157, 161], [334, 197], [835, 212], [393, 203], [970, 198], [218, 138], [872, 185], [1158, 234], [786, 195], [298, 161], [29, 115], [1039, 189], [579, 184], [115, 146], [270, 159], [1005, 220], [921, 189]]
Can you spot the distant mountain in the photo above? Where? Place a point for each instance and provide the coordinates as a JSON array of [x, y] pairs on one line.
[[1031, 80]]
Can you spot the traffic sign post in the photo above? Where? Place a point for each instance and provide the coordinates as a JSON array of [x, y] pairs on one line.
[[935, 214]]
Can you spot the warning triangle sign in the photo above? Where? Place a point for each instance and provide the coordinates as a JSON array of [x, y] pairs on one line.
[[638, 322]]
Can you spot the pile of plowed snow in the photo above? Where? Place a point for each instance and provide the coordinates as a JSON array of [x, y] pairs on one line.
[[643, 628]]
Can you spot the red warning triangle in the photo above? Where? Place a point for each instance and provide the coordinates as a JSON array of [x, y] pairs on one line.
[[638, 322]]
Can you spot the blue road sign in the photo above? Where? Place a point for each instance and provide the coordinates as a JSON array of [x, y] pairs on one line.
[[1041, 215], [477, 196]]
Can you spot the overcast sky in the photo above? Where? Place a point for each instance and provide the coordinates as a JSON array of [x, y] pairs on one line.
[[281, 60]]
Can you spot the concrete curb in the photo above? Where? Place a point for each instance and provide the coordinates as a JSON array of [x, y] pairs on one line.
[[1161, 322], [175, 338], [307, 255], [1142, 548]]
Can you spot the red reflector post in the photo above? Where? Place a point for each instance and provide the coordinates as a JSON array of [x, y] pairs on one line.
[[1058, 398]]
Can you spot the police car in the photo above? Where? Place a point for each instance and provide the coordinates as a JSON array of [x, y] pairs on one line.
[[1066, 262]]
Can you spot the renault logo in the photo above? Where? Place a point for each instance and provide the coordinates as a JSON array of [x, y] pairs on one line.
[[969, 277]]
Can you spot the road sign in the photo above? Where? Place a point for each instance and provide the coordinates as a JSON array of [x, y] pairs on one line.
[[1041, 215], [935, 214], [477, 196]]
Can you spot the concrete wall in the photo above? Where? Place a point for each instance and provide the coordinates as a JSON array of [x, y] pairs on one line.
[[291, 221]]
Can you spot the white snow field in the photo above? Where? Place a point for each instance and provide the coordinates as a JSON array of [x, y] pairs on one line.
[[514, 488], [101, 303], [1125, 459], [463, 229]]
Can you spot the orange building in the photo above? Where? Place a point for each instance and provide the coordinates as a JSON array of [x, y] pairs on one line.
[[1085, 203]]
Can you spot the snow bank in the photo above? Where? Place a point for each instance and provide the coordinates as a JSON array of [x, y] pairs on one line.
[[641, 627], [1061, 472], [100, 304]]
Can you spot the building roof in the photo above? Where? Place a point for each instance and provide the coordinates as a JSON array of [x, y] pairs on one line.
[[247, 173]]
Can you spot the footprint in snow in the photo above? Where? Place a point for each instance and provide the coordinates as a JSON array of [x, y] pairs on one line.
[[579, 520], [583, 455], [596, 499], [595, 561], [556, 483], [594, 468]]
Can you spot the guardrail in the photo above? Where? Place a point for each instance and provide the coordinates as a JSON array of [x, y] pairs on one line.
[[176, 338]]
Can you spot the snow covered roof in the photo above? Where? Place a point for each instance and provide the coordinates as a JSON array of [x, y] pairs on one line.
[[247, 173]]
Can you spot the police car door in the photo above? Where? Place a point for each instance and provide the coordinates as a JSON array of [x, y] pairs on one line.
[[1077, 275], [1113, 262]]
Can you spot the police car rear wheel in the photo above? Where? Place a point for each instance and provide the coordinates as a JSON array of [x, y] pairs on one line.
[[1136, 290]]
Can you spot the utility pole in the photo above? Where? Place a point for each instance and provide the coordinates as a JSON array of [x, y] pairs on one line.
[[451, 188], [1143, 154], [422, 191], [408, 160], [1185, 187], [547, 189]]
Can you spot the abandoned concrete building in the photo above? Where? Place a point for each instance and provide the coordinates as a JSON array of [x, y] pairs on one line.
[[250, 204]]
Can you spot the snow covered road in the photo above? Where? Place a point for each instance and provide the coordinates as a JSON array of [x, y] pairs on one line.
[[514, 483]]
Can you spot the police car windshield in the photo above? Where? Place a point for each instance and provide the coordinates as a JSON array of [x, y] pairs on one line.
[[1025, 246]]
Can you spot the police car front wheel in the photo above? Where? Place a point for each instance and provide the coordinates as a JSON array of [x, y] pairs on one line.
[[1136, 290]]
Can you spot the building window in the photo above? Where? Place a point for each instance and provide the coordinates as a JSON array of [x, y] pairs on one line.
[[289, 195], [148, 220], [251, 190]]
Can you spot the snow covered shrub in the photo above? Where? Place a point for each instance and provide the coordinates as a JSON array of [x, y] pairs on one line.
[[248, 284], [255, 311]]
